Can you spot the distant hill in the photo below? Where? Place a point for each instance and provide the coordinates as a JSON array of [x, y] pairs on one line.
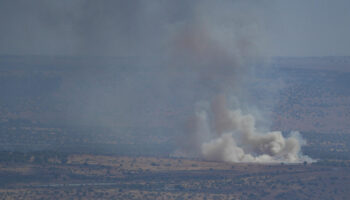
[[71, 102]]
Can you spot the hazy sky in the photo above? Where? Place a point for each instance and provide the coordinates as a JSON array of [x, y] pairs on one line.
[[311, 28], [122, 28]]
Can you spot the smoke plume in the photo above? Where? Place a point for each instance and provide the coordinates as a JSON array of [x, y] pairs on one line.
[[177, 55], [222, 49], [236, 139]]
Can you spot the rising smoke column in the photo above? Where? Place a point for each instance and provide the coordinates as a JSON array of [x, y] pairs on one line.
[[221, 46], [238, 140], [215, 43]]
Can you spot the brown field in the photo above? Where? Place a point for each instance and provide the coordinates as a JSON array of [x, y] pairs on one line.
[[111, 177]]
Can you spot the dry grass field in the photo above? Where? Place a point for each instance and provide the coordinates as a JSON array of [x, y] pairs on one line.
[[111, 177]]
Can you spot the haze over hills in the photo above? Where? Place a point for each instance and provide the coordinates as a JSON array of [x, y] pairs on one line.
[[157, 99], [82, 104], [64, 132]]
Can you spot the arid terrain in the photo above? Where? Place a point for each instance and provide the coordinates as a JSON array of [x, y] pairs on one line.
[[60, 141], [174, 100], [81, 176]]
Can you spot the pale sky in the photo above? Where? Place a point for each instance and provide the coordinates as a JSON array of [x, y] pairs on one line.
[[311, 28], [74, 27]]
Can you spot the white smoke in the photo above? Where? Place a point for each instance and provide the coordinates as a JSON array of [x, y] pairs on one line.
[[220, 45], [235, 138]]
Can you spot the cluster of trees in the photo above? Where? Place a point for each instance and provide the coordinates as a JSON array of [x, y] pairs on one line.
[[41, 157]]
